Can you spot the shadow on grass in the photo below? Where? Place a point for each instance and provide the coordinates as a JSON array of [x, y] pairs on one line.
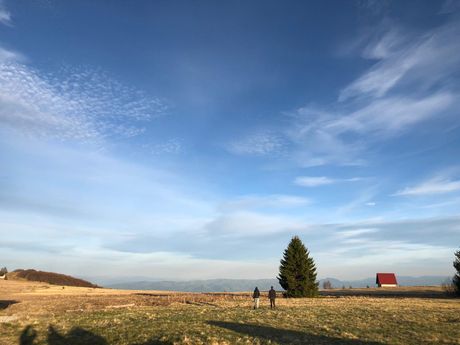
[[6, 303], [76, 336], [285, 336]]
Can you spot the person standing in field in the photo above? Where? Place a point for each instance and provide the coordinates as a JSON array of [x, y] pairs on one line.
[[272, 297], [256, 296]]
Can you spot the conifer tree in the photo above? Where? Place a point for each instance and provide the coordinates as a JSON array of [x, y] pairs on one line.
[[456, 280], [297, 271]]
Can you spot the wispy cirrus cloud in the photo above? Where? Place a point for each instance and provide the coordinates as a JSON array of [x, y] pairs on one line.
[[315, 181], [243, 224], [435, 185], [5, 15], [450, 6], [273, 201], [10, 56], [362, 201], [408, 59], [428, 231], [170, 146], [259, 144], [73, 104], [313, 144], [408, 85], [346, 234], [393, 114]]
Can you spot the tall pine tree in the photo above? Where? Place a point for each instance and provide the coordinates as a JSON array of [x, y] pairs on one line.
[[456, 280], [297, 271]]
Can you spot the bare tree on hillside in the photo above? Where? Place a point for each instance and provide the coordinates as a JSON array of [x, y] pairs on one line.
[[327, 285]]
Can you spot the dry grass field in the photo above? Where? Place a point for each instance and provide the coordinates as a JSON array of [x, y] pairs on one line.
[[37, 313]]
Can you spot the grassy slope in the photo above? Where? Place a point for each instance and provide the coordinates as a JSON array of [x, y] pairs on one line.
[[48, 277], [118, 317]]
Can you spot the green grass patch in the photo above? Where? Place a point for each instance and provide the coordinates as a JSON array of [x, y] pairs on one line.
[[359, 321]]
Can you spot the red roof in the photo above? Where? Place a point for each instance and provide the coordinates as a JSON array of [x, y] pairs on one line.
[[386, 278]]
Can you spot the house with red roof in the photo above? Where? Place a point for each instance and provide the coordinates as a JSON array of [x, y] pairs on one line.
[[386, 280]]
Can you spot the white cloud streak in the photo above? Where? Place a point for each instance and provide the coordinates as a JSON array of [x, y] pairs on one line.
[[5, 15], [436, 185], [9, 56], [355, 232], [315, 181], [363, 199], [250, 224], [393, 114], [274, 201], [428, 58]]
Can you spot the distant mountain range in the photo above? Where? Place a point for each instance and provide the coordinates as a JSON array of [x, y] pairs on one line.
[[402, 281], [212, 285], [233, 285]]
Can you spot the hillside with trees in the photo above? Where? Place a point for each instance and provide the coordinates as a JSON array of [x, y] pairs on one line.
[[49, 277]]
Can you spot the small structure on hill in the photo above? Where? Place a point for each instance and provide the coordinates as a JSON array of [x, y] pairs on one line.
[[386, 280]]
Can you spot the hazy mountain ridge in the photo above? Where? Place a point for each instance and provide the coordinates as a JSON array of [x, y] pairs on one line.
[[211, 285], [402, 280], [233, 285]]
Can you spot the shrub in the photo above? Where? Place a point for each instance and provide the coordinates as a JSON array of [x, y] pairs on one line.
[[448, 287]]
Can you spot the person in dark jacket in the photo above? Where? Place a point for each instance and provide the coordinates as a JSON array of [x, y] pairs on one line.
[[256, 296], [272, 297]]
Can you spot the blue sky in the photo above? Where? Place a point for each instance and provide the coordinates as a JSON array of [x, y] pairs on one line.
[[191, 140]]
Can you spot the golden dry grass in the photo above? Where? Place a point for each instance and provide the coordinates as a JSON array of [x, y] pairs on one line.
[[54, 315]]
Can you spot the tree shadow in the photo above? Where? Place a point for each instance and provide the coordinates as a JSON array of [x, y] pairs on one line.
[[6, 303], [76, 336], [285, 336]]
